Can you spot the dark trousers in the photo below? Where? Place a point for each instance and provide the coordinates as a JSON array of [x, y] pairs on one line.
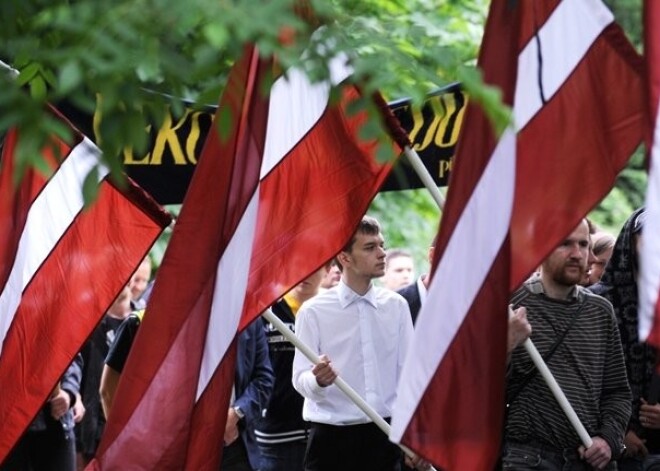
[[286, 456], [533, 456], [362, 447], [52, 449], [235, 458]]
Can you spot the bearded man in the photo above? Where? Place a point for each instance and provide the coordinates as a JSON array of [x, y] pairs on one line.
[[576, 333]]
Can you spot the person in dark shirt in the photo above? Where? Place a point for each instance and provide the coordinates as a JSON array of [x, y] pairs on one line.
[[282, 432], [49, 443], [575, 331]]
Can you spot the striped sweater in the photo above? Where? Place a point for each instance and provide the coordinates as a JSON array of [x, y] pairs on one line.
[[588, 365]]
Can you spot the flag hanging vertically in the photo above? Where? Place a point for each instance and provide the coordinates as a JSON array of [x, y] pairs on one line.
[[61, 266], [510, 202], [265, 208], [649, 275]]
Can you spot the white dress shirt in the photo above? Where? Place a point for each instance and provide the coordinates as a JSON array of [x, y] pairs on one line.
[[366, 338], [421, 289]]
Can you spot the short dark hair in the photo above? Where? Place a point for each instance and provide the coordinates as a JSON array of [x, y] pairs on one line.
[[368, 225]]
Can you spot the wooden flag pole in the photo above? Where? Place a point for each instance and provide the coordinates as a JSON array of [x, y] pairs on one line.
[[339, 382], [424, 175]]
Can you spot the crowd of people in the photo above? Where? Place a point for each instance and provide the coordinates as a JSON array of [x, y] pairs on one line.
[[357, 313]]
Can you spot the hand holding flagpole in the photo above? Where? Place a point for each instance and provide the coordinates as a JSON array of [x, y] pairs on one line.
[[556, 390], [339, 382]]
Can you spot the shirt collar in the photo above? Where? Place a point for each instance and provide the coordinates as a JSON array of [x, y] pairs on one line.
[[347, 296], [535, 285]]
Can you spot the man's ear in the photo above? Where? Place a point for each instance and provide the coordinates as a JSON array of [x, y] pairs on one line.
[[343, 257]]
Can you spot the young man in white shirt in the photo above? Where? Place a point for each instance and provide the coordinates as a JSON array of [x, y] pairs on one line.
[[361, 332]]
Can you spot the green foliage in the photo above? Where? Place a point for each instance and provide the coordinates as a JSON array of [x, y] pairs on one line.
[[626, 196], [409, 220], [106, 54]]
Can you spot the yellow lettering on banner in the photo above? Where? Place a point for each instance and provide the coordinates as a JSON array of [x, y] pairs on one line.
[[445, 168], [418, 122], [193, 137], [449, 102], [129, 157], [430, 131], [167, 136]]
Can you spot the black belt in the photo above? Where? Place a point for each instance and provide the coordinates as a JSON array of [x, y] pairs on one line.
[[545, 450]]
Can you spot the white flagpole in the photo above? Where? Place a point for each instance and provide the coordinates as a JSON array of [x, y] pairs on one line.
[[339, 382], [424, 175], [558, 393], [9, 69], [556, 390]]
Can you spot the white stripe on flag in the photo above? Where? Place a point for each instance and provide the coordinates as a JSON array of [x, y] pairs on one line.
[[229, 294], [649, 285], [48, 219], [565, 39], [455, 288], [294, 108]]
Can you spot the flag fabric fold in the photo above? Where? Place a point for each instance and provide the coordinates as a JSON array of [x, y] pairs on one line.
[[61, 266], [266, 207], [511, 201], [649, 276]]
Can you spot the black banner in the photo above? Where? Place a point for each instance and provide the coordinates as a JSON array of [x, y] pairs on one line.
[[165, 171]]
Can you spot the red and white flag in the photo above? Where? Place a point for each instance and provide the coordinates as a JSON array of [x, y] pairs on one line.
[[649, 275], [574, 82], [265, 208], [61, 267]]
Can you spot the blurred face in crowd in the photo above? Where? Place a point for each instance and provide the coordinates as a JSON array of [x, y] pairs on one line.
[[398, 272], [332, 277], [309, 287], [598, 265], [140, 279]]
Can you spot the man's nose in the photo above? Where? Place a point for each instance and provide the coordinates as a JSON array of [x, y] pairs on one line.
[[576, 251]]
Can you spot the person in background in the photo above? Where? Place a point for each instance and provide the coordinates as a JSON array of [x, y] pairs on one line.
[[90, 429], [415, 293], [619, 285], [140, 282], [399, 269], [332, 277], [282, 432], [602, 244], [49, 442], [253, 385]]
